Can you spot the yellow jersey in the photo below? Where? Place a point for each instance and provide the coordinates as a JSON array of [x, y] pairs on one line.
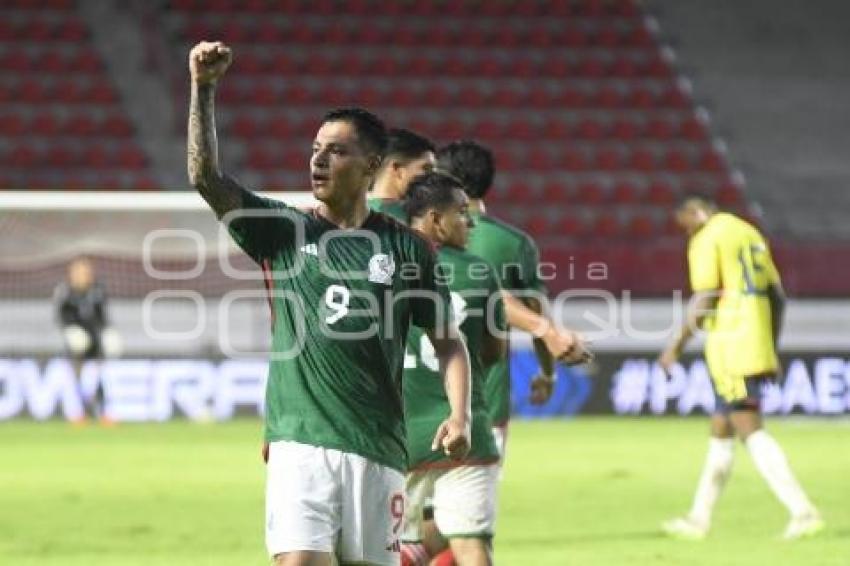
[[730, 256]]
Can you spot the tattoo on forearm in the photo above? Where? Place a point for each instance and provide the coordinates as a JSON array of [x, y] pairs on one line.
[[221, 192]]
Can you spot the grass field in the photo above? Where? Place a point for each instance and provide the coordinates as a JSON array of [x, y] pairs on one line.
[[583, 492]]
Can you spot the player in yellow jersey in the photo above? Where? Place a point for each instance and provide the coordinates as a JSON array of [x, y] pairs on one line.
[[738, 300]]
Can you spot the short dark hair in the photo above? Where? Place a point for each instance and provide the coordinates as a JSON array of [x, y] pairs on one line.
[[470, 162], [696, 197], [371, 130], [407, 144], [429, 191]]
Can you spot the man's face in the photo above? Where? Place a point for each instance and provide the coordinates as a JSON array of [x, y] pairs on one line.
[[690, 217], [405, 171], [453, 223], [340, 169], [81, 274]]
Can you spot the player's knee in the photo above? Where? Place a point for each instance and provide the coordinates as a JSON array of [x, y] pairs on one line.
[[471, 551], [746, 422]]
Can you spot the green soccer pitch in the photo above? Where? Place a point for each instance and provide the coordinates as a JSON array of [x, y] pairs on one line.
[[589, 491]]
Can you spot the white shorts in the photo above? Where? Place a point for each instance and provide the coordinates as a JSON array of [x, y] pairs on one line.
[[464, 501], [327, 500]]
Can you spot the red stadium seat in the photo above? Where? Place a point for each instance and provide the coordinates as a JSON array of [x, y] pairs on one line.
[[538, 225], [624, 130], [488, 130], [59, 157], [677, 160], [51, 62], [280, 127], [660, 129], [556, 192], [608, 37], [33, 91], [421, 66], [80, 125], [571, 225], [573, 160], [694, 128], [539, 97], [660, 193], [641, 226], [117, 126], [624, 68], [591, 67], [674, 97], [625, 193], [71, 30], [102, 93], [556, 129], [642, 98], [571, 98], [606, 225], [640, 36], [608, 97], [95, 157], [12, 125], [437, 95], [45, 125], [130, 157], [472, 97], [590, 129], [519, 67], [728, 195], [260, 158], [244, 127], [712, 159], [657, 67], [518, 191], [22, 157], [591, 194], [574, 37], [539, 159], [608, 159], [643, 160], [521, 129]]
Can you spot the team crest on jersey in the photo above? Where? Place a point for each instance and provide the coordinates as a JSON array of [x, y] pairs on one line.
[[381, 269]]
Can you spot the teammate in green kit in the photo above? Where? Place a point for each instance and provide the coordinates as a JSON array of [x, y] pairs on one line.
[[515, 258], [463, 492], [408, 155], [345, 284]]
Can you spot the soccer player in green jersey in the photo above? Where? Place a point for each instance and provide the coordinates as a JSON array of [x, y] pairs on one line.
[[463, 493], [515, 257], [408, 155], [345, 284]]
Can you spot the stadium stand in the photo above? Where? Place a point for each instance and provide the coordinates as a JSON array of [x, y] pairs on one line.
[[578, 99], [593, 120], [62, 125]]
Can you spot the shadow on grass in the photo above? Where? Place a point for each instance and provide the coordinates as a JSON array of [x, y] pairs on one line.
[[607, 536]]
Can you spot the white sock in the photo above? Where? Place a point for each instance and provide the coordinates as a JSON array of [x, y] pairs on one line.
[[771, 463], [717, 468]]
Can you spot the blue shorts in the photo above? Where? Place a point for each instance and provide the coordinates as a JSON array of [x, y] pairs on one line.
[[750, 402]]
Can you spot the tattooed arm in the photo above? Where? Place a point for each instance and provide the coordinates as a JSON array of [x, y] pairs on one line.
[[208, 61]]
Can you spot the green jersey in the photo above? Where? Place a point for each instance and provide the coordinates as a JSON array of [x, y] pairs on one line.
[[515, 257], [475, 291], [342, 302], [388, 206]]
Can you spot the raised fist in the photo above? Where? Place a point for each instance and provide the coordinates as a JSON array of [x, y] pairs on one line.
[[208, 61]]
